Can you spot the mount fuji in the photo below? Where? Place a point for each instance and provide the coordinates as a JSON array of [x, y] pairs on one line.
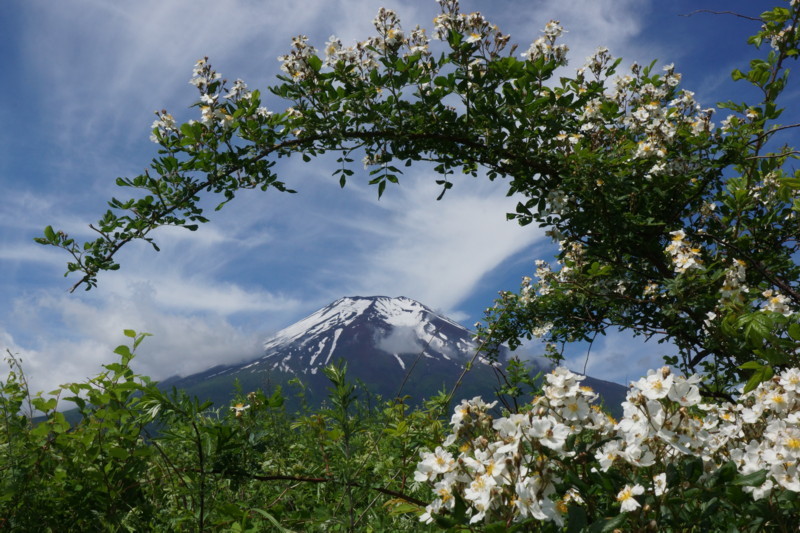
[[394, 346]]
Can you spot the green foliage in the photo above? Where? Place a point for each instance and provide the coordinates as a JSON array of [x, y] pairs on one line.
[[140, 459]]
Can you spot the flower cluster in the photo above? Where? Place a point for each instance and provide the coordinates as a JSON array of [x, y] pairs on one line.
[[649, 109], [163, 126], [734, 288], [511, 464], [768, 418], [203, 75], [238, 91], [684, 254], [776, 302], [218, 104], [545, 47], [212, 113], [514, 467], [296, 62], [473, 28]]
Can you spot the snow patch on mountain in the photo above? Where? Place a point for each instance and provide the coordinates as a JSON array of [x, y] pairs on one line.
[[340, 313], [336, 335]]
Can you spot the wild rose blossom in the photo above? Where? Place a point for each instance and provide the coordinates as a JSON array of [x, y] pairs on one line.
[[510, 466]]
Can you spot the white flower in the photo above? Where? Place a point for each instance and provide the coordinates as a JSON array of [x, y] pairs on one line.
[[656, 385], [641, 114], [660, 484], [263, 112], [512, 427], [607, 454], [238, 91], [549, 432], [626, 497], [574, 408], [760, 492], [444, 500], [553, 29], [685, 391], [474, 37], [164, 125], [786, 475], [332, 48], [239, 409], [790, 380], [433, 464], [776, 303], [479, 494]]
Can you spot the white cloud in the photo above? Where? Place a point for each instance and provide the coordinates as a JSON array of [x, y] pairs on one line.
[[94, 56], [589, 23], [436, 252], [78, 335]]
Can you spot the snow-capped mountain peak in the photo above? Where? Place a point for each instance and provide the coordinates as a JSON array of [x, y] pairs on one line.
[[396, 345], [366, 327]]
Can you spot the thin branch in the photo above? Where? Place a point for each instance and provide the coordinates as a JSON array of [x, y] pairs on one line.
[[773, 156], [773, 130], [711, 11], [282, 477]]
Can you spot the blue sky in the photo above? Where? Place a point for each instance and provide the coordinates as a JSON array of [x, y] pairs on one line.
[[82, 80]]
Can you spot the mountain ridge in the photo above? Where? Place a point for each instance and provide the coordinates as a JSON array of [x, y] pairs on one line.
[[381, 338]]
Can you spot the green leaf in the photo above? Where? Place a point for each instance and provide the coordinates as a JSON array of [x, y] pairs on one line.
[[609, 524], [762, 373], [118, 453], [755, 479], [751, 365], [272, 521], [189, 131], [139, 339], [44, 404], [496, 527], [576, 519], [778, 15], [49, 234], [124, 351]]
